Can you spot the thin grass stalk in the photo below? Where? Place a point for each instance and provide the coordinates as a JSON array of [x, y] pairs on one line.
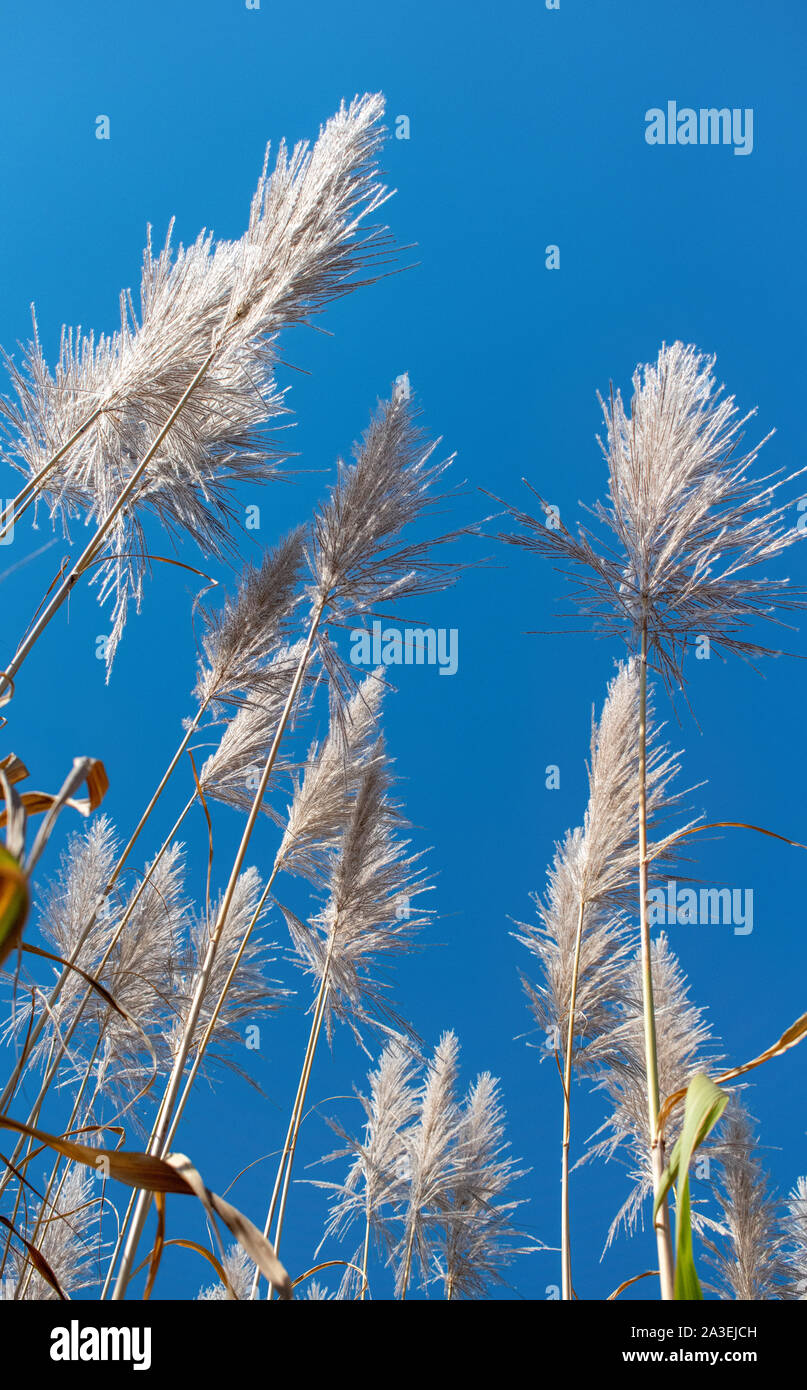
[[566, 1247], [208, 1033], [204, 1041], [285, 1151], [407, 1274], [365, 1257], [175, 1080], [26, 495], [118, 1246], [290, 1145], [200, 1051], [315, 1036], [662, 1220], [283, 1173], [89, 552], [36, 1031]]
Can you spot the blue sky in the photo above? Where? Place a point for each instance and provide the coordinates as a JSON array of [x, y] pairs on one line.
[[526, 129]]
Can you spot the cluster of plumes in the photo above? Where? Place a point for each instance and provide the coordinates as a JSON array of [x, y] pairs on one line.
[[237, 637], [140, 973], [368, 881], [595, 873], [748, 1251], [324, 796], [67, 1239], [71, 900], [231, 773], [429, 1177], [685, 526], [759, 1245], [246, 672], [684, 1046], [307, 243], [148, 963], [356, 564], [240, 1271], [136, 964], [796, 1237]]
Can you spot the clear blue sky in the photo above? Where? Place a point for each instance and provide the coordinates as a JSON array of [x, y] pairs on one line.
[[527, 128]]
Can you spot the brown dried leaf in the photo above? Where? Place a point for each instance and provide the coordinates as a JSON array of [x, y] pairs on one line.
[[175, 1173]]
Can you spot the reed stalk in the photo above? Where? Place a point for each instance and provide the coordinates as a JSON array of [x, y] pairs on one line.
[[200, 1051], [297, 1118], [171, 1094], [365, 1257], [662, 1220], [566, 1247], [407, 1269]]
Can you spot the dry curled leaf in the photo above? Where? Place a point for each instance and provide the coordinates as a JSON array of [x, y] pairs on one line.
[[175, 1173], [37, 1260], [789, 1038]]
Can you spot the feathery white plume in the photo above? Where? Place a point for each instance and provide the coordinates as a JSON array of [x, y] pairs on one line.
[[594, 871], [67, 1238], [684, 1045], [238, 638], [323, 797], [369, 913], [375, 1184], [430, 1145], [67, 904], [231, 773], [476, 1238], [240, 1271], [689, 526], [795, 1238], [747, 1251], [303, 247], [355, 560], [140, 976]]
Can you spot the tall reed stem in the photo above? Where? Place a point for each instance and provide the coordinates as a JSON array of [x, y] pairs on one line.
[[284, 1195], [662, 1220], [365, 1257], [566, 1246], [284, 1166], [157, 1144], [407, 1274], [200, 1051]]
